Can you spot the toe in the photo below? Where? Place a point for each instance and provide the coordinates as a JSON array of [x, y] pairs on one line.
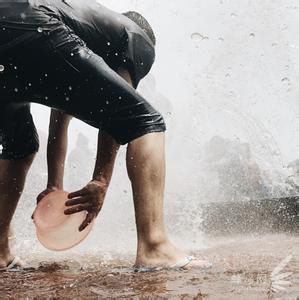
[[198, 264]]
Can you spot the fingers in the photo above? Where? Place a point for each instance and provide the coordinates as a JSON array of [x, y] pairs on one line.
[[76, 201], [45, 193], [87, 221], [41, 196], [77, 193], [89, 199], [77, 209]]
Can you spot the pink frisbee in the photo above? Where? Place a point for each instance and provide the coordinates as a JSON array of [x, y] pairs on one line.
[[55, 230]]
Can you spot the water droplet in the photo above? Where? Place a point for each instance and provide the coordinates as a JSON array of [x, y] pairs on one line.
[[2, 68], [116, 54], [120, 97], [252, 35], [23, 16], [141, 63], [67, 98], [72, 54], [70, 88], [107, 102], [39, 29], [284, 27], [16, 90], [196, 36], [108, 43]]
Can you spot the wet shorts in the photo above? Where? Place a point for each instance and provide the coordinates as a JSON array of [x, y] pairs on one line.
[[52, 66], [18, 136]]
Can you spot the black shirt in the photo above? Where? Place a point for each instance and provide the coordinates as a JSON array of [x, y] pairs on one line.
[[113, 36]]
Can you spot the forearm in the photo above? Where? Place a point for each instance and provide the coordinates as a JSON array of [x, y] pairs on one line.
[[57, 148], [106, 155]]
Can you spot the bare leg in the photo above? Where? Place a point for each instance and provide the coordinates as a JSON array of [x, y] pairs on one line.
[[12, 179], [146, 169]]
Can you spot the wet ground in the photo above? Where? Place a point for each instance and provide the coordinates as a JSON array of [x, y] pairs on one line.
[[242, 270]]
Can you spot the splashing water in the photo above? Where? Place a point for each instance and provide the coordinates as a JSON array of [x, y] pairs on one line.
[[231, 124]]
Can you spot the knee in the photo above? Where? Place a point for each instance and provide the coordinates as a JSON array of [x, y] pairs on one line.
[[146, 153]]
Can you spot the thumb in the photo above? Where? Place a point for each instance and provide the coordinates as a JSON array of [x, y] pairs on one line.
[[40, 196]]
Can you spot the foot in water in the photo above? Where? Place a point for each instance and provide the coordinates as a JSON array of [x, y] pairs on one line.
[[164, 256]]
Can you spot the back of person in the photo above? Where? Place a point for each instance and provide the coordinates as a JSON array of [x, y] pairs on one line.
[[58, 53], [113, 36]]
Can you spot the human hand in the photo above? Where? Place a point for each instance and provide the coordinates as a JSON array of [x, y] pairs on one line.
[[90, 199], [47, 191], [44, 193]]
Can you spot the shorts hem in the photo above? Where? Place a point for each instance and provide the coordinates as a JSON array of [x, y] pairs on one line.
[[139, 134], [18, 156]]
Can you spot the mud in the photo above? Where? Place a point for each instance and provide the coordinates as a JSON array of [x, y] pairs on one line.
[[242, 270]]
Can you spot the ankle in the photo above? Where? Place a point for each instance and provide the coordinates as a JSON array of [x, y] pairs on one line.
[[3, 240], [4, 251], [152, 242]]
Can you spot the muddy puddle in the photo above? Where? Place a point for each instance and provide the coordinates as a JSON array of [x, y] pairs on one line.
[[242, 270]]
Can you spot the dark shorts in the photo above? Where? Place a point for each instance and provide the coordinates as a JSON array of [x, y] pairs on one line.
[[18, 136], [52, 66]]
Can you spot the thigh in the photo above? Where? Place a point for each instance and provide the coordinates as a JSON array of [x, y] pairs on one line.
[[62, 72], [101, 98]]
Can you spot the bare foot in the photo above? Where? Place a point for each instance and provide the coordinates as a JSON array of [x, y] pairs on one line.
[[6, 258], [8, 261], [164, 255]]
